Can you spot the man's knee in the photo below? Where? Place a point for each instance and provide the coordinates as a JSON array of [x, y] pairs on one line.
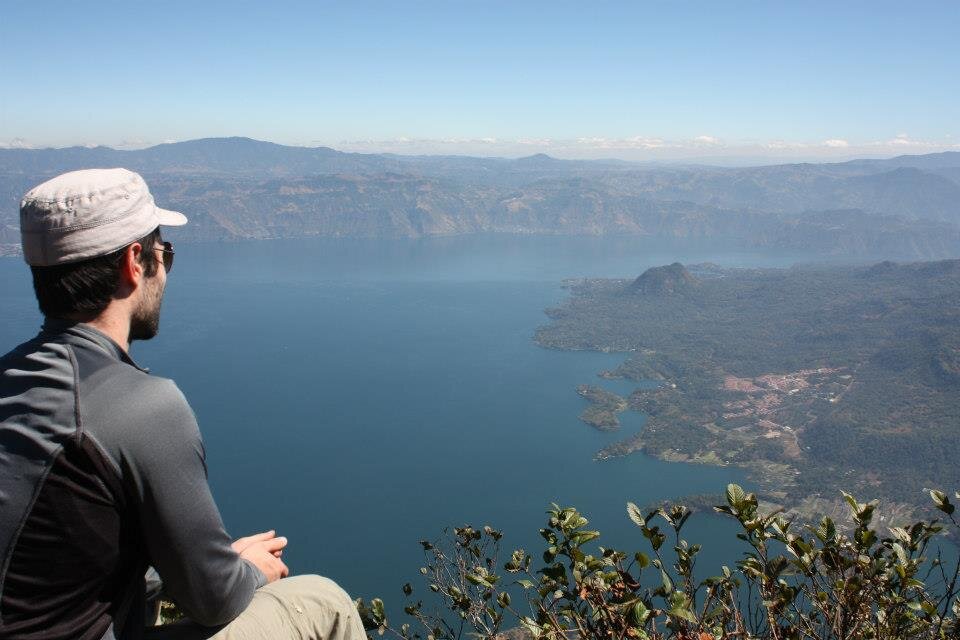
[[301, 607], [316, 602], [311, 587]]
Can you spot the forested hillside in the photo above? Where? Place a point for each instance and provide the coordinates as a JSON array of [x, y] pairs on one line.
[[812, 378]]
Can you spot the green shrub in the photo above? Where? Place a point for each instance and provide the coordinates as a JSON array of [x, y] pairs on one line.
[[818, 582]]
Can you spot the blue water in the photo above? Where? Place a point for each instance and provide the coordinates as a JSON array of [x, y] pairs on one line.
[[359, 396]]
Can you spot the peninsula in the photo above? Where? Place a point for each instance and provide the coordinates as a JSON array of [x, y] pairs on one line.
[[810, 378], [603, 409]]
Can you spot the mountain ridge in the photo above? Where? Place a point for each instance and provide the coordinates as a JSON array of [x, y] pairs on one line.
[[906, 207]]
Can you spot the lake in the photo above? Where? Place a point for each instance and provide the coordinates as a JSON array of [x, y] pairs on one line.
[[361, 395]]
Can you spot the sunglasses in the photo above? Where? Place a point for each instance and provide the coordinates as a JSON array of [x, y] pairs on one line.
[[167, 255]]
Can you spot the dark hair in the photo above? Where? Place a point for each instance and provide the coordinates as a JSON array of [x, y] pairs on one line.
[[85, 288]]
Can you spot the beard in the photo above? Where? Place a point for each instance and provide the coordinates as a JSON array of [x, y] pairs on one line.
[[145, 321]]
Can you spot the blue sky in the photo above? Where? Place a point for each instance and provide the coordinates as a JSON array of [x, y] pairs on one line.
[[614, 79]]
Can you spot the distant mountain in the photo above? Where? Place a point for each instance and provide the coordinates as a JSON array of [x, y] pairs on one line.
[[233, 156], [943, 160], [234, 188], [669, 279], [538, 160], [792, 189]]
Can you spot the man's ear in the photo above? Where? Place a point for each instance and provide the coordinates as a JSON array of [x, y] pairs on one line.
[[131, 268]]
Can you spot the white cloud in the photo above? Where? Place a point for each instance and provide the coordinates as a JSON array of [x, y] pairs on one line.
[[782, 144], [903, 141], [707, 140], [135, 143], [536, 142], [409, 141], [641, 142], [16, 143], [632, 142], [641, 147]]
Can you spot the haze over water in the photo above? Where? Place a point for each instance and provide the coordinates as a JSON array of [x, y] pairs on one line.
[[361, 395]]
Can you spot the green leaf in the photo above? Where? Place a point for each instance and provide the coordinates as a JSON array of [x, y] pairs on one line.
[[735, 495], [478, 580], [900, 534], [582, 537], [636, 515], [679, 612], [713, 613], [901, 553], [656, 541], [667, 582], [941, 501], [640, 613], [851, 501], [531, 626], [377, 613], [526, 584]]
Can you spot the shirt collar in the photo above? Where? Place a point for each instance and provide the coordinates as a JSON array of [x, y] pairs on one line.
[[59, 326]]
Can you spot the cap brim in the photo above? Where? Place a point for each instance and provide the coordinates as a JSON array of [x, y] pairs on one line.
[[171, 218]]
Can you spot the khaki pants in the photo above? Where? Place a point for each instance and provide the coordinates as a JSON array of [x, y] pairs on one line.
[[297, 608]]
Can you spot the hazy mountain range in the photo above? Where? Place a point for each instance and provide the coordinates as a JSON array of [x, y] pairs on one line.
[[238, 188]]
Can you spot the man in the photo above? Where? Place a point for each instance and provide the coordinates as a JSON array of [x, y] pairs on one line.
[[102, 470]]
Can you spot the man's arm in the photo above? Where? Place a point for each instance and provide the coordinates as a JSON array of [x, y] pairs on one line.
[[163, 465]]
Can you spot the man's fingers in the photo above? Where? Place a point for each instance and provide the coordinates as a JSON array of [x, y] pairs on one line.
[[273, 544], [242, 543], [266, 535]]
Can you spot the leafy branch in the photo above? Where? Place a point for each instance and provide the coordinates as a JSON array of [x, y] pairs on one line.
[[818, 582]]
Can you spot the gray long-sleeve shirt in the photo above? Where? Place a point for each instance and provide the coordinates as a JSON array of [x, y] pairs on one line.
[[102, 473]]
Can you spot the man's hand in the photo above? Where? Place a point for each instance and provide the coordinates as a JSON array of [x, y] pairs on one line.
[[264, 551], [242, 543]]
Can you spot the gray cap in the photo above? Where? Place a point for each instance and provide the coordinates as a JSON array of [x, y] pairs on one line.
[[89, 213]]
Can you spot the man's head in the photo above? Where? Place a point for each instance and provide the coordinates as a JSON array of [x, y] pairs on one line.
[[92, 238]]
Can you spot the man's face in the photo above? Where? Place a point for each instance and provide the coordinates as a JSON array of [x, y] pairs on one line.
[[145, 321]]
